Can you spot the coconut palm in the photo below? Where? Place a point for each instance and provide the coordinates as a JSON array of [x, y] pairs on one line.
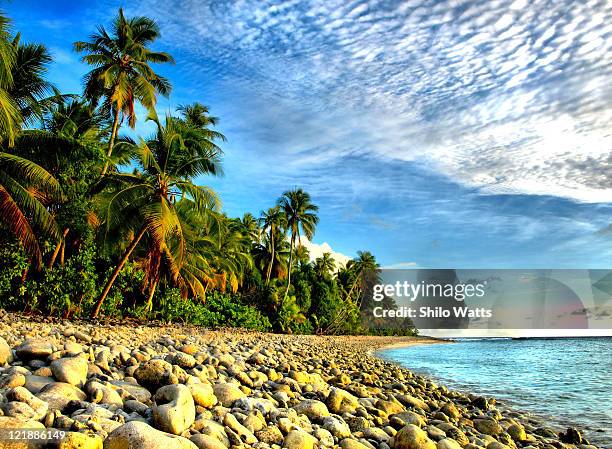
[[24, 186], [358, 274], [302, 255], [324, 265], [301, 214], [271, 256], [122, 74], [250, 228], [273, 221], [10, 118], [145, 201], [32, 93]]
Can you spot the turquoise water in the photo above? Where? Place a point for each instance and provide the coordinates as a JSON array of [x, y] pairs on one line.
[[565, 381]]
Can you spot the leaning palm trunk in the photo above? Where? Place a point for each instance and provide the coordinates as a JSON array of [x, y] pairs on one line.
[[117, 270], [149, 305], [111, 141], [57, 249]]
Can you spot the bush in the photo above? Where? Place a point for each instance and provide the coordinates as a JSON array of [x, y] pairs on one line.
[[219, 310], [13, 264]]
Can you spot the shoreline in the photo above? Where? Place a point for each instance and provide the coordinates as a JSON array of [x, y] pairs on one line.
[[230, 389]]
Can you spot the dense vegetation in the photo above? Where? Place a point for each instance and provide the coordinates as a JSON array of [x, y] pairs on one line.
[[95, 223]]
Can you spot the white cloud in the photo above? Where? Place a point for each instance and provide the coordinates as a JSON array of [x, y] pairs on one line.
[[316, 250]]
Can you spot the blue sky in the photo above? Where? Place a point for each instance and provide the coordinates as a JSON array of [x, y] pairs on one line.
[[443, 134]]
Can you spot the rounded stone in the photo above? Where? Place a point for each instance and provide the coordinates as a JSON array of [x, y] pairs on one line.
[[412, 437]]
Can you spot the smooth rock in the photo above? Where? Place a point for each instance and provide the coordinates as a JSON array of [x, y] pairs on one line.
[[139, 435], [154, 374], [298, 439], [34, 349], [72, 370], [227, 393], [6, 355], [412, 437], [206, 442], [312, 408], [173, 409], [59, 394], [203, 394]]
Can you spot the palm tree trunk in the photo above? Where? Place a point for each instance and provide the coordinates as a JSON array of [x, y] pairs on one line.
[[111, 142], [289, 271], [57, 249], [269, 273], [149, 306], [62, 252], [116, 271]]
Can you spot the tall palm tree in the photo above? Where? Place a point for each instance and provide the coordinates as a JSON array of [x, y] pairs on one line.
[[122, 73], [145, 201], [273, 220], [10, 118], [301, 214], [24, 185]]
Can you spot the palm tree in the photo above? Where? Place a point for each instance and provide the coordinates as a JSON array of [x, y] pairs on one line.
[[273, 220], [250, 227], [271, 256], [145, 201], [32, 93], [358, 273], [122, 73], [301, 214], [10, 118], [302, 255], [24, 186], [324, 265]]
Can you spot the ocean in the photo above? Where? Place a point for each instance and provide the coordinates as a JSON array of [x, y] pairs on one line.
[[565, 381]]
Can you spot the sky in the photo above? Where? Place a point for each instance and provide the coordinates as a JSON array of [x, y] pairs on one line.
[[439, 134]]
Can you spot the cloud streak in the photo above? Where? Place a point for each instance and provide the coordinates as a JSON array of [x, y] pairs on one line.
[[504, 96]]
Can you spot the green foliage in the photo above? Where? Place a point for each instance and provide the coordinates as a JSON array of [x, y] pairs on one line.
[[13, 264], [67, 290], [219, 310]]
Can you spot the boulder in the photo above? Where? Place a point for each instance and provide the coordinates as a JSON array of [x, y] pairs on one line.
[[298, 439], [203, 395], [412, 437], [487, 426], [59, 394], [34, 349], [228, 393], [77, 440], [173, 409], [206, 442], [349, 443], [139, 435], [341, 401], [72, 370], [6, 355], [447, 443], [312, 409], [154, 374]]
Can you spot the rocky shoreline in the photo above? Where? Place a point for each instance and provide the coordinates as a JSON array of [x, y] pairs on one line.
[[177, 387]]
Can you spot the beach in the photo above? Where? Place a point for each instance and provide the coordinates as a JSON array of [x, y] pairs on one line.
[[147, 386]]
